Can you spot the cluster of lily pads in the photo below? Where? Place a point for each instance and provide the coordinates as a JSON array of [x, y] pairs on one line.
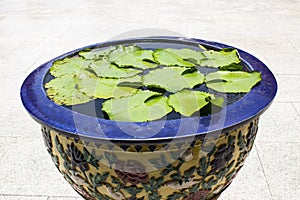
[[144, 85]]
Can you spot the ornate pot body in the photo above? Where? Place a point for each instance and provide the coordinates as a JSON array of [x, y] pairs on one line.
[[188, 158]]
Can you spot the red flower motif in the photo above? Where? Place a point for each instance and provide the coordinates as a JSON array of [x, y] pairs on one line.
[[131, 171], [200, 195]]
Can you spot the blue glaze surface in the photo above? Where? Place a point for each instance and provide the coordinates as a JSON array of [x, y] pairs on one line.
[[45, 111]]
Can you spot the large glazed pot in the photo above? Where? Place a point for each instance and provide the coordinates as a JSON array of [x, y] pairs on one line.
[[188, 158]]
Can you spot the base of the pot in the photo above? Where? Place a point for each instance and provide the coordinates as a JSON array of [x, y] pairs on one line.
[[86, 196], [198, 170]]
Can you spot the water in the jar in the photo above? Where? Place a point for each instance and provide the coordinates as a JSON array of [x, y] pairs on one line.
[[94, 108]]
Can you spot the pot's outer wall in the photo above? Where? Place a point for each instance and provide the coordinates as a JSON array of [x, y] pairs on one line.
[[46, 112], [199, 170]]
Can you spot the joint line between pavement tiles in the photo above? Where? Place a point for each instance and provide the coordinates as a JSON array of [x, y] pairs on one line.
[[262, 167], [30, 195], [42, 54], [293, 104], [19, 195], [293, 45], [287, 102]]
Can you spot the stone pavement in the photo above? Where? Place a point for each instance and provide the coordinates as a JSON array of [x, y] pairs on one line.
[[33, 31]]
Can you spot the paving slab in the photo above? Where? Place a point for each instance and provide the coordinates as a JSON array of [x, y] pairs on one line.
[[279, 124], [5, 143], [27, 169], [65, 198], [28, 128], [17, 59], [295, 41], [284, 64], [218, 33], [288, 88], [22, 198], [281, 164], [10, 87], [297, 107], [34, 27]]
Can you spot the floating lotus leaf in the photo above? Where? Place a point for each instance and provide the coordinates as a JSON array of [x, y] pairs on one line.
[[187, 102], [63, 91], [232, 82], [121, 50], [172, 79], [221, 58], [96, 53], [104, 68], [232, 67], [140, 107], [177, 57], [136, 58], [219, 101], [68, 66], [105, 88]]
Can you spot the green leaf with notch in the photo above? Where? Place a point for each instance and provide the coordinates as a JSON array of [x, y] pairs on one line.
[[68, 66], [106, 88], [121, 50], [232, 67], [177, 57], [232, 82], [104, 68], [172, 79], [141, 59], [219, 101], [96, 54], [140, 107], [63, 91], [216, 59], [187, 102]]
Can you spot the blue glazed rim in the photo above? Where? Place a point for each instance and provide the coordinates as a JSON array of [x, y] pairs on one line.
[[75, 124]]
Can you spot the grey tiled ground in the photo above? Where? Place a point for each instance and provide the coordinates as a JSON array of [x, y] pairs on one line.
[[32, 32]]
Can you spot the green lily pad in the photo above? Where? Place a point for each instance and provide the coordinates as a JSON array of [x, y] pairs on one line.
[[136, 58], [232, 67], [96, 53], [63, 91], [177, 57], [172, 79], [104, 68], [68, 66], [221, 58], [105, 88], [140, 107], [219, 101], [232, 82], [121, 50], [187, 102]]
